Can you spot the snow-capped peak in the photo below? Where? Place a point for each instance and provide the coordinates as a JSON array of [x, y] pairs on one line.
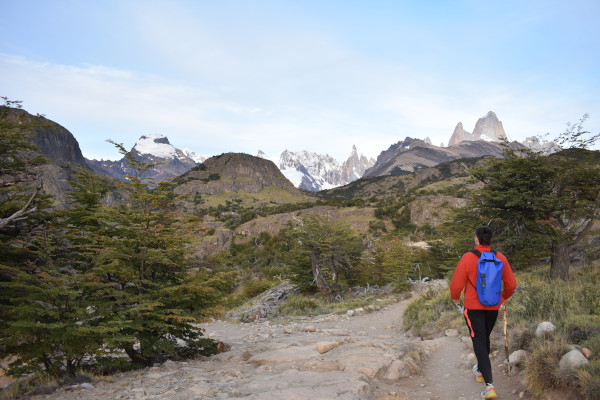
[[189, 153], [155, 145], [312, 171]]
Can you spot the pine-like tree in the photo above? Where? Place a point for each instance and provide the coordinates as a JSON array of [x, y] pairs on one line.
[[553, 199], [332, 250], [139, 262]]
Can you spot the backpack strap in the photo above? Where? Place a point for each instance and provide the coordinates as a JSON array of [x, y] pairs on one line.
[[478, 253]]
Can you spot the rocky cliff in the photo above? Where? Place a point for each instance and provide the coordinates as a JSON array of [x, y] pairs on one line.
[[60, 148], [53, 140]]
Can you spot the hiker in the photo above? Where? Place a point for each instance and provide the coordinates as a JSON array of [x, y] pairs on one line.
[[480, 318]]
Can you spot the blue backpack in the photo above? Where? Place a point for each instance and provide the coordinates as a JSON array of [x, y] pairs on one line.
[[489, 278]]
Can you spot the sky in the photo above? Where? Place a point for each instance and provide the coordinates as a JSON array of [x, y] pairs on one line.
[[322, 76]]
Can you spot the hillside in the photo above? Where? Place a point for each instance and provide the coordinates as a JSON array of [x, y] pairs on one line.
[[396, 185], [251, 180], [412, 154]]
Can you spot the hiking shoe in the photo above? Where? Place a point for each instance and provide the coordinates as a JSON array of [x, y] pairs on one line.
[[478, 375], [489, 392]]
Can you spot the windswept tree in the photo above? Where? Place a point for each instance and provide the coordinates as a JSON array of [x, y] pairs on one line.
[[554, 197], [331, 248]]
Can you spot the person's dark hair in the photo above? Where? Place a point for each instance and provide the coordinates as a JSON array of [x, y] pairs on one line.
[[484, 235]]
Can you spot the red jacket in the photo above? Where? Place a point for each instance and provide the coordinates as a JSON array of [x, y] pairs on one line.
[[466, 271]]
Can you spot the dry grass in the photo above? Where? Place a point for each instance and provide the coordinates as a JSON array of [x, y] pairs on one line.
[[542, 371]]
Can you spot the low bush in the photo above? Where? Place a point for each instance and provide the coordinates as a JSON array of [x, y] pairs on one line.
[[542, 371], [431, 313], [300, 305]]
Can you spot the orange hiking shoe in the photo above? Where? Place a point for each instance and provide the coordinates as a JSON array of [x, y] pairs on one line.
[[489, 392], [478, 375]]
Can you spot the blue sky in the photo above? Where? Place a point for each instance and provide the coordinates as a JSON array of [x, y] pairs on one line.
[[220, 76]]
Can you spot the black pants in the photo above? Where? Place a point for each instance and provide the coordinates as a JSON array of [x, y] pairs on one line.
[[481, 323]]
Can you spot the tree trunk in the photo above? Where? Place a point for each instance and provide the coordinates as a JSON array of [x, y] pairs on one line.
[[136, 356], [560, 261], [319, 278]]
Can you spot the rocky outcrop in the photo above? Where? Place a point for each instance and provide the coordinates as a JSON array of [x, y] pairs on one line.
[[232, 172], [62, 155], [53, 140]]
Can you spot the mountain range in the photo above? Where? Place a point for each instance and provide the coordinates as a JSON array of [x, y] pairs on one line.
[[314, 172], [305, 170], [169, 162]]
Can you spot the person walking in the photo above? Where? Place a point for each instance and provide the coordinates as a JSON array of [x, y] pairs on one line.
[[481, 319]]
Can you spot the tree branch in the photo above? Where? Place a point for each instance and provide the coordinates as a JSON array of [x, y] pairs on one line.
[[23, 211]]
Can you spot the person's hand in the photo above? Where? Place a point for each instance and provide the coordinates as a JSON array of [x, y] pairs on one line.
[[457, 302]]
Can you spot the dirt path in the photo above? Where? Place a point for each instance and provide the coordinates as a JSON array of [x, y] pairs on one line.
[[447, 376], [371, 358]]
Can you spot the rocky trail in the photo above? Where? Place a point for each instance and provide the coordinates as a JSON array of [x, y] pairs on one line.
[[366, 356]]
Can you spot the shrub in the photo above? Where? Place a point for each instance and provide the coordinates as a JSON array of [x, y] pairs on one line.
[[300, 305], [542, 371], [255, 287]]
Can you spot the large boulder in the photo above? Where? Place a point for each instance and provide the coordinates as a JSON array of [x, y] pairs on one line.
[[545, 328], [573, 360]]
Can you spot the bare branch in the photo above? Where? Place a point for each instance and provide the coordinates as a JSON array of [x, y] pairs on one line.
[[24, 210]]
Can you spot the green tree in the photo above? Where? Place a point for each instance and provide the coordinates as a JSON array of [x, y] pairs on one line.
[[139, 263], [554, 198], [40, 309], [388, 260], [20, 184], [331, 248]]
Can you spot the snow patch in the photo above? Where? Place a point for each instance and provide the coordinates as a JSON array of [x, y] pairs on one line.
[[190, 154], [150, 145]]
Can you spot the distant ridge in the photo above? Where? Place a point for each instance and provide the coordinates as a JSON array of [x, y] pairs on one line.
[[153, 149]]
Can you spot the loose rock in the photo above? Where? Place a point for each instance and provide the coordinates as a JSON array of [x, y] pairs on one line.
[[324, 347]]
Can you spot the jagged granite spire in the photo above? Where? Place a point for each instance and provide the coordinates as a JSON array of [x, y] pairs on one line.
[[489, 128], [459, 135]]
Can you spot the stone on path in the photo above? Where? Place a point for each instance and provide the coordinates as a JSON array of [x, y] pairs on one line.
[[398, 369], [324, 347]]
